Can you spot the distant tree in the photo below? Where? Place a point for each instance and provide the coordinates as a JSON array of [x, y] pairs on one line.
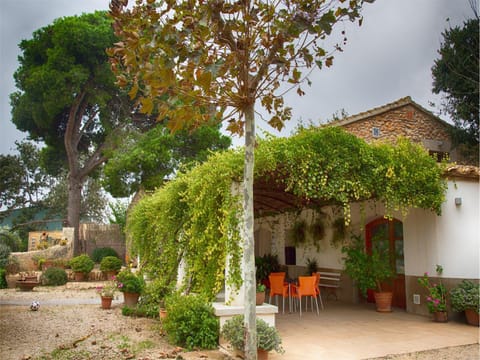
[[93, 200], [118, 215], [11, 239], [146, 159], [67, 98], [23, 182], [196, 62], [456, 77]]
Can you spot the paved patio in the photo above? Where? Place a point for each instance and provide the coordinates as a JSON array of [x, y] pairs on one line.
[[346, 331]]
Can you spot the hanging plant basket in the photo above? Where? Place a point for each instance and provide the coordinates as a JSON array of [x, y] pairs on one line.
[[339, 231], [299, 232]]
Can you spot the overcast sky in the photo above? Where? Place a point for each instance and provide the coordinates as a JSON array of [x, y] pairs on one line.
[[389, 57]]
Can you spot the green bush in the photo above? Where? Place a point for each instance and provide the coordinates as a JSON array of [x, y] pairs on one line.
[[191, 322], [3, 280], [82, 263], [142, 309], [465, 296], [99, 253], [4, 255], [54, 276], [110, 263], [267, 336], [132, 283]]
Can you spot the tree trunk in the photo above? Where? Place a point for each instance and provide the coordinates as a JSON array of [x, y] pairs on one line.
[[248, 237], [73, 210]]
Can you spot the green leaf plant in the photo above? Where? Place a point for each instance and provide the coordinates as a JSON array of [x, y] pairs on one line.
[[196, 215]]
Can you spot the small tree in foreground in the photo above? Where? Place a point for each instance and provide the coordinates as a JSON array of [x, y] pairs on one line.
[[197, 62]]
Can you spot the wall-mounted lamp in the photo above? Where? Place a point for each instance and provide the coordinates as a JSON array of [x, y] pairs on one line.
[[458, 201]]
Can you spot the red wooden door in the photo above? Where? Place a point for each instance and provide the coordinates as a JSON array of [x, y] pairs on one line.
[[389, 234]]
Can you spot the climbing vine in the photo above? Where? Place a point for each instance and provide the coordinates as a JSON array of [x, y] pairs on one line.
[[196, 216]]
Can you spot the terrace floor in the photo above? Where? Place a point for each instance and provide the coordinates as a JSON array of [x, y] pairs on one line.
[[357, 331]]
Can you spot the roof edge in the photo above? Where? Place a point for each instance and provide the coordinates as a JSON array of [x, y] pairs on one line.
[[463, 171], [407, 100]]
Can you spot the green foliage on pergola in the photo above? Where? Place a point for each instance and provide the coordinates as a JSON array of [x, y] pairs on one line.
[[196, 216]]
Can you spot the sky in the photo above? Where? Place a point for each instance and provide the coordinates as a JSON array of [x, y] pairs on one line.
[[389, 57]]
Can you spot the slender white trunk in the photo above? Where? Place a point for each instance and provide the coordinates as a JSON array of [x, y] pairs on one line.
[[248, 246]]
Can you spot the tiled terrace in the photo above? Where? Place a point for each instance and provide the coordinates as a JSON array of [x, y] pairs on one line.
[[348, 331]]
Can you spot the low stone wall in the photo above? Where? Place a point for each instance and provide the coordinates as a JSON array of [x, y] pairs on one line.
[[28, 261]]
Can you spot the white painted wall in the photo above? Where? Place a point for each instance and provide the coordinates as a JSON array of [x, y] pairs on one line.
[[451, 240]]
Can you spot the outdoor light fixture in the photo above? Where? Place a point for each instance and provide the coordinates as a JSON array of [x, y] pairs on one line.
[[458, 201]]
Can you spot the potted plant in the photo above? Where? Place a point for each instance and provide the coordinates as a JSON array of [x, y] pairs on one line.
[[268, 338], [466, 297], [27, 281], [312, 266], [12, 269], [107, 292], [131, 285], [81, 266], [260, 294], [437, 296], [162, 311], [369, 271], [264, 265], [110, 265]]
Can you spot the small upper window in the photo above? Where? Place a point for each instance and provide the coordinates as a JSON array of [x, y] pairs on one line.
[[439, 156], [376, 132]]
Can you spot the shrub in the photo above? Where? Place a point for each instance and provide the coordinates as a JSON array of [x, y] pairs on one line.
[[13, 265], [130, 282], [110, 263], [54, 276], [4, 255], [99, 253], [141, 310], [465, 296], [267, 336], [82, 263], [3, 280], [191, 322]]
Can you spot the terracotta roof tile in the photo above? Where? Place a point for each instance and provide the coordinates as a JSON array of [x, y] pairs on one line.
[[384, 108], [463, 171]]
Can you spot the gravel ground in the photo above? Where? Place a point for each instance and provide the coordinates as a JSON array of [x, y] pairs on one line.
[[466, 352], [71, 325]]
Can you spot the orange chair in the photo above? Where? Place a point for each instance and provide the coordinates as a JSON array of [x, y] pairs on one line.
[[317, 287], [275, 274], [278, 288], [306, 287]]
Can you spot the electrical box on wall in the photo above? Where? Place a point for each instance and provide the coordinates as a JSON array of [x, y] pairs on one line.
[[416, 299]]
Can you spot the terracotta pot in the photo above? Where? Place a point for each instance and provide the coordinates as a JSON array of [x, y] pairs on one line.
[[47, 264], [472, 317], [110, 274], [79, 276], [162, 313], [12, 281], [440, 316], [24, 285], [260, 298], [130, 299], [106, 302], [383, 301], [33, 278], [262, 354]]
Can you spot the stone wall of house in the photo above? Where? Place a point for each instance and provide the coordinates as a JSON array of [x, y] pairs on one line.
[[407, 121]]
